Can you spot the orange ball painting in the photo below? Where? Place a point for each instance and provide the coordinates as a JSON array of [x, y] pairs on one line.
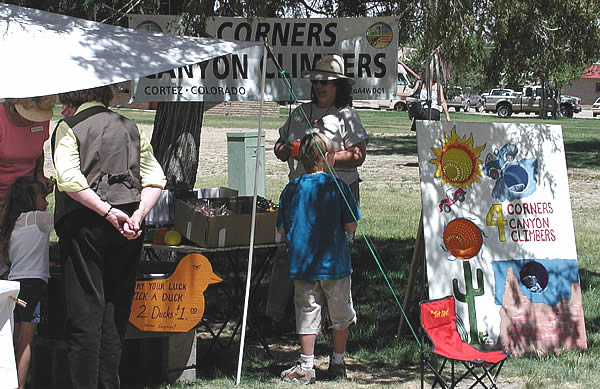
[[462, 238]]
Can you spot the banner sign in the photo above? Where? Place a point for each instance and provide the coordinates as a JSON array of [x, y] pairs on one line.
[[369, 47], [175, 303], [499, 233]]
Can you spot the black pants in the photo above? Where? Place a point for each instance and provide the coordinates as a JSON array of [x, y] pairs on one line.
[[435, 115], [99, 275]]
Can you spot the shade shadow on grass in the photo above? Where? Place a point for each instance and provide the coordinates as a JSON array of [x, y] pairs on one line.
[[392, 145], [578, 153], [583, 154], [590, 283], [372, 341], [379, 311]]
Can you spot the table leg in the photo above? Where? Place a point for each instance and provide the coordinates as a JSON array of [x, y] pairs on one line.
[[235, 298]]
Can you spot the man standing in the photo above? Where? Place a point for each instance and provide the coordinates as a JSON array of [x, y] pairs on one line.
[[108, 180]]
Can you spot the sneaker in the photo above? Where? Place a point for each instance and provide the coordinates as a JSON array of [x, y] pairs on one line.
[[298, 375], [336, 370]]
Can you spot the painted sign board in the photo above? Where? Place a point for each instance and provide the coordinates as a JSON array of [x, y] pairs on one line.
[[369, 47], [174, 303], [499, 233]]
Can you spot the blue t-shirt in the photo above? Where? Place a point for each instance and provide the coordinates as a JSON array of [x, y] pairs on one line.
[[313, 213]]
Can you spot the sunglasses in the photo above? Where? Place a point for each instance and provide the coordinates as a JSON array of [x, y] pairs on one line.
[[322, 82]]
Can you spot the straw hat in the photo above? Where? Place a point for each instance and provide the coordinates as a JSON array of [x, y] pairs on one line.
[[330, 67], [34, 114], [37, 109]]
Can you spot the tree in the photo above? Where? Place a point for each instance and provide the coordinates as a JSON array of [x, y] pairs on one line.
[[176, 141], [514, 41], [550, 42], [456, 26]]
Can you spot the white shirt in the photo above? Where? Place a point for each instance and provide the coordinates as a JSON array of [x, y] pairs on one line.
[[435, 104], [343, 127], [29, 246]]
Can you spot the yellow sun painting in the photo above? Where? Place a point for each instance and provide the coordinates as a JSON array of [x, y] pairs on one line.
[[457, 161]]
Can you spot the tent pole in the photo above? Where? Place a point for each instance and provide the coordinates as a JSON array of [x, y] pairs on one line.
[[253, 224]]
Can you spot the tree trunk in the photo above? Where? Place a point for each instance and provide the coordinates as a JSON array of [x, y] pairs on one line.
[[176, 141], [543, 99], [556, 96]]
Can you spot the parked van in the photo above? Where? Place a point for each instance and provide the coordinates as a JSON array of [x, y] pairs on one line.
[[399, 101]]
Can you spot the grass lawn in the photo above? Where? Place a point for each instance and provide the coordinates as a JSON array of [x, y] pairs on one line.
[[391, 213]]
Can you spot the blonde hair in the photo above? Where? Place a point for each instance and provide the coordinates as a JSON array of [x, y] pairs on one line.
[[311, 147]]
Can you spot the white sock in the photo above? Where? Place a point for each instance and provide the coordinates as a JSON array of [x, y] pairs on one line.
[[307, 361], [338, 359]]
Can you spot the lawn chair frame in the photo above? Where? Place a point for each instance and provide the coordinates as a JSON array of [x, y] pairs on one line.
[[489, 363]]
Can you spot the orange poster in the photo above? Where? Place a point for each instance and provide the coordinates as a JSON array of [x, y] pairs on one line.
[[175, 303]]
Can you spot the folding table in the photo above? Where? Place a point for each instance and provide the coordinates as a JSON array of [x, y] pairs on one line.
[[229, 263]]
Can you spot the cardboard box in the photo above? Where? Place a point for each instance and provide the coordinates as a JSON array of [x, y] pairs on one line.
[[226, 230], [163, 213]]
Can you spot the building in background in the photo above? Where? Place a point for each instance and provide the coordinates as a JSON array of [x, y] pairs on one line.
[[587, 87]]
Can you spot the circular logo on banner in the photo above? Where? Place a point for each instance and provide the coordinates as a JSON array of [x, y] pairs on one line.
[[149, 26], [380, 35]]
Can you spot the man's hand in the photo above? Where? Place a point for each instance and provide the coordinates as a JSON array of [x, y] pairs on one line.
[[121, 222], [133, 228]]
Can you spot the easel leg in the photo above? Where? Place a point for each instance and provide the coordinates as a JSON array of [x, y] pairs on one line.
[[415, 263]]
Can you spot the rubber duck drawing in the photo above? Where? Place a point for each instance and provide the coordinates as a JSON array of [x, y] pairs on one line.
[[175, 303]]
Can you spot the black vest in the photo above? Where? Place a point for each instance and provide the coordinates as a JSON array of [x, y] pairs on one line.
[[109, 154]]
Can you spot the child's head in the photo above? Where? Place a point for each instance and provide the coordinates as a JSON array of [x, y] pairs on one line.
[[309, 153], [25, 194]]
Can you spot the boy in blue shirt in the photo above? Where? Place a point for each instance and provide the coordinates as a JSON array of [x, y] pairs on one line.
[[315, 210]]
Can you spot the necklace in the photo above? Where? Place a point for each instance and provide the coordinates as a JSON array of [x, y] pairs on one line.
[[319, 121]]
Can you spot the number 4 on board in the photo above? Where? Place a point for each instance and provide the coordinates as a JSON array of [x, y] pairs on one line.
[[496, 209]]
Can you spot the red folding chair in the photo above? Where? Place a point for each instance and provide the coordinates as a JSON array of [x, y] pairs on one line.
[[438, 319]]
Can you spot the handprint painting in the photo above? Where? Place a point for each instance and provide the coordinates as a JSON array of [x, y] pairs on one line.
[[499, 234]]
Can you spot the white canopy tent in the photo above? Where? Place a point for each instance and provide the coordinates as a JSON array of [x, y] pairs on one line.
[[45, 53]]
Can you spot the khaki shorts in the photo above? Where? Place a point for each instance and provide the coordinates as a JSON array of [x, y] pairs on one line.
[[310, 297]]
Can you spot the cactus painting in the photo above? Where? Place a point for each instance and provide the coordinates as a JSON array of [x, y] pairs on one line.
[[469, 297]]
